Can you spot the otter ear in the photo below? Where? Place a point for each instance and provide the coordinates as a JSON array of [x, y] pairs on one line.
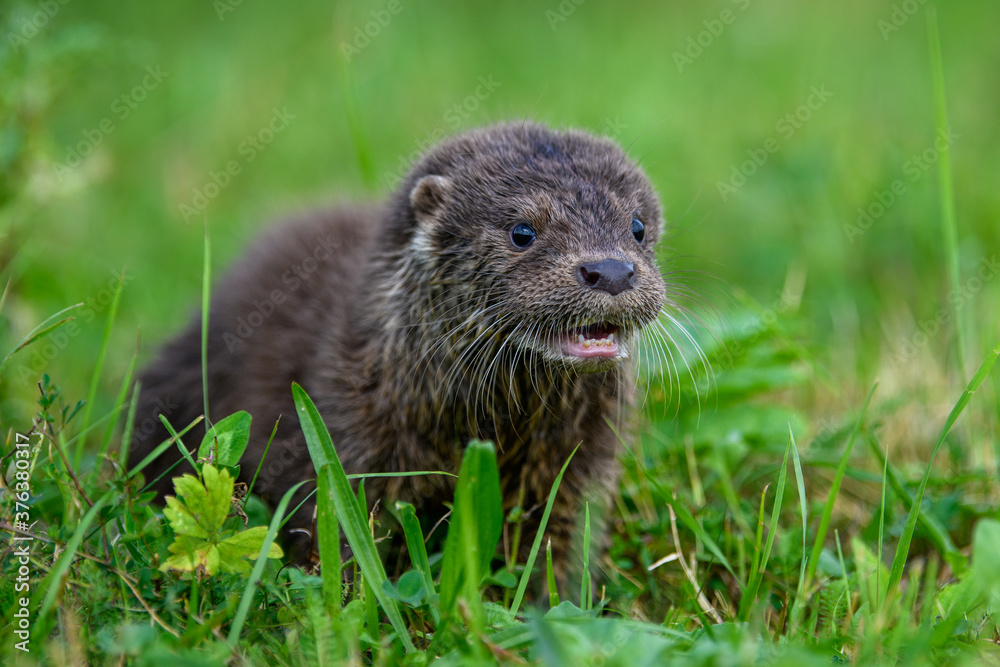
[[429, 195]]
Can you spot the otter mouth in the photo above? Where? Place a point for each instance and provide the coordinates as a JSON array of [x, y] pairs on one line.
[[596, 340]]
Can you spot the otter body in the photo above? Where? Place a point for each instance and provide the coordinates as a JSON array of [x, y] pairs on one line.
[[498, 295]]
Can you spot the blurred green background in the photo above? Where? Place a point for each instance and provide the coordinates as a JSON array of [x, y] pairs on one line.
[[113, 116]]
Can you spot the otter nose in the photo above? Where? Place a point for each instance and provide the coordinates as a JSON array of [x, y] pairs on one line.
[[608, 275]]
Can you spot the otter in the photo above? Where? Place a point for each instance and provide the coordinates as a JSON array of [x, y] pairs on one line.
[[498, 295]]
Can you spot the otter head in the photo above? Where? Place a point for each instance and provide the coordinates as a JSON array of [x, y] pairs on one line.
[[536, 241]]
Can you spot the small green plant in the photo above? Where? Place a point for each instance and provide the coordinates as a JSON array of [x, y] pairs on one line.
[[197, 515]]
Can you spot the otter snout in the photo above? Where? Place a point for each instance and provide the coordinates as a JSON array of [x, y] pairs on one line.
[[608, 275]]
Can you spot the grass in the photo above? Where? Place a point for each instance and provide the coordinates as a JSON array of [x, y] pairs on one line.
[[880, 554]]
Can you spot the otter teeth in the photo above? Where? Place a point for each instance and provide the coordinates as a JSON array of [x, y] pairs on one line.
[[596, 342], [599, 340]]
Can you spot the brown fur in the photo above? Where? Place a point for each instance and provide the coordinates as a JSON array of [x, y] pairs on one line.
[[421, 326]]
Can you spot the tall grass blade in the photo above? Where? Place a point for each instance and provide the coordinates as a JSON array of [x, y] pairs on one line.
[[692, 524], [263, 456], [844, 580], [949, 224], [160, 448], [935, 531], [53, 583], [250, 589], [350, 515], [415, 543], [758, 575], [881, 536], [824, 522], [95, 375], [119, 404], [6, 292], [550, 576], [127, 430], [903, 548], [537, 543], [800, 484], [47, 326], [206, 297], [474, 530], [586, 595], [328, 538]]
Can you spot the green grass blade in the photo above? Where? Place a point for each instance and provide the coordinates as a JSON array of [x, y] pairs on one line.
[[133, 406], [52, 584], [408, 473], [844, 580], [949, 225], [206, 297], [758, 575], [935, 531], [250, 589], [800, 484], [119, 404], [824, 522], [759, 537], [95, 375], [295, 509], [49, 325], [267, 448], [903, 548], [160, 448], [537, 544], [6, 291], [371, 607], [881, 536], [415, 543], [473, 532], [328, 538], [180, 445], [692, 524], [351, 517], [550, 576], [586, 595]]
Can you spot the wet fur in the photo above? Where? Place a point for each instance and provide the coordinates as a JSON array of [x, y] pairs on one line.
[[421, 327]]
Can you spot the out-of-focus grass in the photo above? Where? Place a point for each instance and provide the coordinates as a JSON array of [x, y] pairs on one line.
[[606, 67]]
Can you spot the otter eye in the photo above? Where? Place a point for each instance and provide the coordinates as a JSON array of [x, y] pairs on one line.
[[638, 229], [522, 235]]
